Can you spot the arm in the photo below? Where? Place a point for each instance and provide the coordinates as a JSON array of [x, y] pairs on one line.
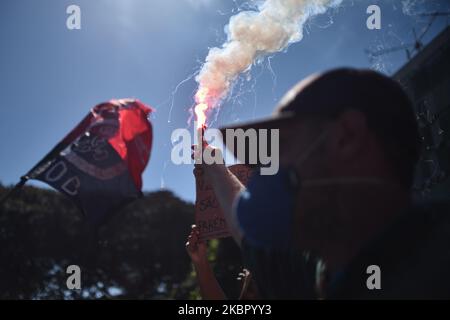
[[227, 188], [209, 286]]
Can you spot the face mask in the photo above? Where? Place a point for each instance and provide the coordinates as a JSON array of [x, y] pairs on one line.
[[264, 211]]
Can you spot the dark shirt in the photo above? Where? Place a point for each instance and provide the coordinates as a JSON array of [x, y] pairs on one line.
[[413, 256]]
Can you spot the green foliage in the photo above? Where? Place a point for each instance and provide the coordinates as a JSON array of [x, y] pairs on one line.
[[138, 254]]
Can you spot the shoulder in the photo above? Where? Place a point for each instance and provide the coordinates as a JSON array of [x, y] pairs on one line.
[[413, 257]]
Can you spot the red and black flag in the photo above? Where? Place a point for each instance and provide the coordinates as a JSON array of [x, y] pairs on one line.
[[99, 163]]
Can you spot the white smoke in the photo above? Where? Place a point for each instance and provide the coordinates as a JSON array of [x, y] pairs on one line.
[[410, 7], [253, 34]]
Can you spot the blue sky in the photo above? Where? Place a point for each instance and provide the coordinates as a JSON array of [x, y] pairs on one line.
[[52, 76]]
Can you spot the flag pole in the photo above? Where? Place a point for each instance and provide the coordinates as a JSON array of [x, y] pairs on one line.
[[56, 150], [19, 185]]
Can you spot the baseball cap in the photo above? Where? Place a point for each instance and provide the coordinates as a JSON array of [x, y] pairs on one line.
[[381, 99]]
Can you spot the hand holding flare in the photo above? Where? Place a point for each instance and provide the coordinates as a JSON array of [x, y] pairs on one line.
[[201, 107]]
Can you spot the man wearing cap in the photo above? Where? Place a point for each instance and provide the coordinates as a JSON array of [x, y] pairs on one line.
[[338, 221]]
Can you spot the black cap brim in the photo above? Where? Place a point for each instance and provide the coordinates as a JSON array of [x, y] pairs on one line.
[[270, 123]]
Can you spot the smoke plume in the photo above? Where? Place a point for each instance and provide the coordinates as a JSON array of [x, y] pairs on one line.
[[270, 28]]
